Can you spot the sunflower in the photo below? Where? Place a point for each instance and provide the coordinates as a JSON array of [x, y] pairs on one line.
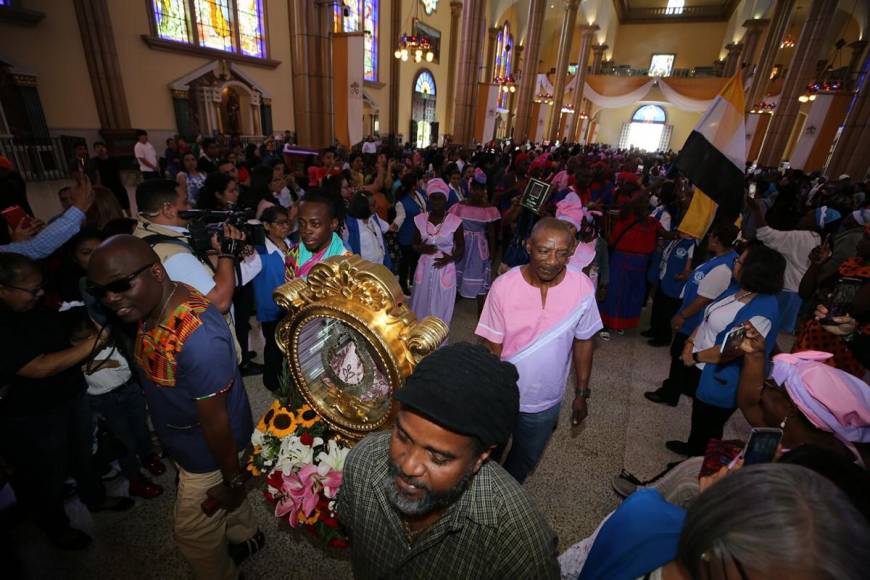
[[311, 520], [253, 469], [283, 424], [307, 417], [266, 419]]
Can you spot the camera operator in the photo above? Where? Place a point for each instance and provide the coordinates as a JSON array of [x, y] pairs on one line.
[[160, 204]]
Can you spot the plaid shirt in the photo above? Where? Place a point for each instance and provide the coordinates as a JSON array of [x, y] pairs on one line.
[[491, 531]]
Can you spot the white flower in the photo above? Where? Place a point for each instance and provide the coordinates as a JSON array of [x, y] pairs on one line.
[[257, 438], [294, 454], [332, 459]]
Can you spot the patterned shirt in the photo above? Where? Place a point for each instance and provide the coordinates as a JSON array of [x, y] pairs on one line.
[[492, 531]]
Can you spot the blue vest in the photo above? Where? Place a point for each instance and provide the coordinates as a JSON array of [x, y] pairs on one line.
[[675, 265], [406, 232], [719, 382], [353, 238], [270, 277], [691, 287]]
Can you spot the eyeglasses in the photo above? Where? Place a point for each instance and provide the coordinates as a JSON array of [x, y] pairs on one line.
[[32, 291], [116, 286]]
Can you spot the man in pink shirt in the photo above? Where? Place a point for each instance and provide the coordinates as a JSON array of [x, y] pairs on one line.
[[539, 317]]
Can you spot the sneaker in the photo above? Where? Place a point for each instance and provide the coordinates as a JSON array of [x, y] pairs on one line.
[[620, 331], [112, 472], [251, 368], [244, 550], [142, 487], [113, 504], [70, 539], [154, 465], [604, 335]]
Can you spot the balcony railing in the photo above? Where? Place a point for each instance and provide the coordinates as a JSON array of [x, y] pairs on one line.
[[36, 159], [686, 13], [627, 71]]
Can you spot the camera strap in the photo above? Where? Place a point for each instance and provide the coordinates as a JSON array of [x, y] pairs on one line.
[[155, 239]]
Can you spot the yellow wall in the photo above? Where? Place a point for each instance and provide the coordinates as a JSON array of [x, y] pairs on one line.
[[149, 72], [439, 20], [611, 120], [52, 50], [695, 44]]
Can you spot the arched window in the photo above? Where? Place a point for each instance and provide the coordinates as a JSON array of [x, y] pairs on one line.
[[231, 26], [649, 114], [503, 60], [425, 84], [362, 15]]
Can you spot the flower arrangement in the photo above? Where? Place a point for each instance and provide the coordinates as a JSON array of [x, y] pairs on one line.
[[302, 464]]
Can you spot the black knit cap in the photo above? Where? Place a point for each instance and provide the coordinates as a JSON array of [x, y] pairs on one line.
[[466, 389]]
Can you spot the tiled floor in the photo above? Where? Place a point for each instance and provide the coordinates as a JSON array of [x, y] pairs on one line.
[[571, 484]]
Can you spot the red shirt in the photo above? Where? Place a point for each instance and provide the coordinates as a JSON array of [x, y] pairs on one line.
[[640, 239]]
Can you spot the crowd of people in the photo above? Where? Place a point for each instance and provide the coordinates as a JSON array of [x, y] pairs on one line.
[[766, 312]]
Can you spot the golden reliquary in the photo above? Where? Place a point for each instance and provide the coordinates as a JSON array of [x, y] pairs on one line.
[[350, 342]]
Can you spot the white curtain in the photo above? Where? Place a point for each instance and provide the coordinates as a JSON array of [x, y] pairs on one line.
[[618, 101], [683, 102]]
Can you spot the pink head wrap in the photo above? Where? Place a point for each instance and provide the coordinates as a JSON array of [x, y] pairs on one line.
[[437, 185], [831, 399], [570, 210]]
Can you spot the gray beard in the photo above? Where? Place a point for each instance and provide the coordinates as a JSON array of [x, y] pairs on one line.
[[430, 501]]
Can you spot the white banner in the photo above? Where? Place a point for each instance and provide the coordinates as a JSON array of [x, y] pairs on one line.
[[683, 102], [811, 129], [618, 101], [355, 67]]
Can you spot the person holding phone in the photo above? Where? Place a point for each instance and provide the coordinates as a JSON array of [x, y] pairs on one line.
[[758, 275]]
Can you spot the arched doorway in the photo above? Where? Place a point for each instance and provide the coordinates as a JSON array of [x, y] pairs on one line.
[[424, 128], [648, 130]]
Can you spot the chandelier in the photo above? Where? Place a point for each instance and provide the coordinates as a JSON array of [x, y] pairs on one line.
[[417, 47], [787, 42], [764, 108], [819, 87], [507, 84]]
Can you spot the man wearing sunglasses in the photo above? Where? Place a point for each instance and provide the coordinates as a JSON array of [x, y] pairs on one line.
[[199, 407], [46, 429]]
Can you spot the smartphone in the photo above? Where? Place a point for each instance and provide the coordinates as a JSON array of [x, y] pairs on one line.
[[762, 445], [15, 215], [752, 188], [640, 168], [732, 340], [841, 299]]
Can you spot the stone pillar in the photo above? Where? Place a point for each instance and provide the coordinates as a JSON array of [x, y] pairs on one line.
[[512, 99], [719, 67], [181, 106], [850, 151], [395, 69], [565, 37], [586, 33], [455, 12], [598, 57], [857, 51], [489, 63], [522, 127], [468, 71], [733, 58], [801, 71], [266, 116], [778, 25], [754, 28], [311, 24], [255, 117]]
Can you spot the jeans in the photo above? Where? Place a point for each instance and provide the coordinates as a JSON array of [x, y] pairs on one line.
[[273, 358], [44, 449], [531, 434], [124, 413]]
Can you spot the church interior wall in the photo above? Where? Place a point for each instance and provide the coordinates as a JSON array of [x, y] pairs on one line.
[[695, 44]]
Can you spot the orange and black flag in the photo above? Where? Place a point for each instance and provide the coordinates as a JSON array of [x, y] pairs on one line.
[[714, 159]]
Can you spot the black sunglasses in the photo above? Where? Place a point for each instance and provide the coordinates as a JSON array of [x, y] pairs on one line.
[[116, 286]]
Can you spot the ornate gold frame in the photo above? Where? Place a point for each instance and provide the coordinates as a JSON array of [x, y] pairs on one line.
[[367, 298]]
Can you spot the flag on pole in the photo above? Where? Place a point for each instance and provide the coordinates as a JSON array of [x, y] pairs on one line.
[[714, 159]]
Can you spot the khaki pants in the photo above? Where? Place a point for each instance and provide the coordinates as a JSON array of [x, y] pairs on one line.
[[202, 539]]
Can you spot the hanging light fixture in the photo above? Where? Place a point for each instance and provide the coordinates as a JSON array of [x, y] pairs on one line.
[[414, 46], [506, 84]]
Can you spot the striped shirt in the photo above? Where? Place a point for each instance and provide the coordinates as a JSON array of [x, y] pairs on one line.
[[52, 237], [492, 531]]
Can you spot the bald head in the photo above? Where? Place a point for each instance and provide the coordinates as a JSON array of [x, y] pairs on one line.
[[548, 226], [128, 277]]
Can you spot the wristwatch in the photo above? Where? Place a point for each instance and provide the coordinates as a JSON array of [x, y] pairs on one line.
[[583, 393], [695, 357]]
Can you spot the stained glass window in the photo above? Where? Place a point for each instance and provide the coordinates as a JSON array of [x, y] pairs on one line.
[[171, 19], [362, 15], [227, 25], [251, 27], [649, 114], [504, 61], [425, 84]]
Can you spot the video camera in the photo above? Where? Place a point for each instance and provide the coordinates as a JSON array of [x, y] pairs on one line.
[[204, 223]]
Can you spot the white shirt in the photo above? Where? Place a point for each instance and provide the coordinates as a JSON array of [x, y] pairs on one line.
[[795, 246], [146, 151], [370, 147], [401, 215], [371, 241], [715, 282], [717, 316], [108, 379]]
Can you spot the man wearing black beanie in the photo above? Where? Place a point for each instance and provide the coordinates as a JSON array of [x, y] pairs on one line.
[[424, 500]]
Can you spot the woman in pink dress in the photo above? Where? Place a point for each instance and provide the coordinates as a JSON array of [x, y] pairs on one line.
[[439, 240], [474, 271]]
